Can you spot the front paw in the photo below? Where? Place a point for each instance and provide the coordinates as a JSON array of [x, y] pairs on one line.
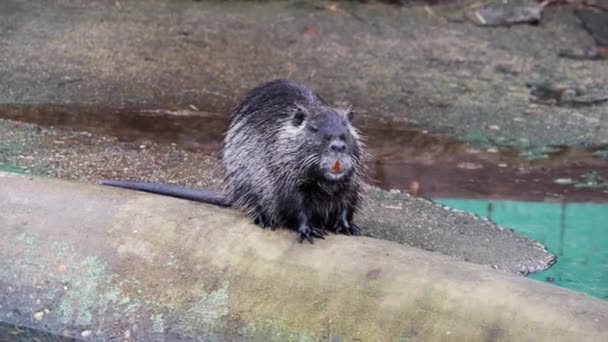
[[307, 232], [347, 229]]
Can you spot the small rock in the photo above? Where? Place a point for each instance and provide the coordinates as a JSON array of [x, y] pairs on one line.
[[590, 53], [86, 333], [310, 30], [506, 69], [414, 188], [501, 13], [596, 23], [62, 268], [534, 111], [38, 315], [600, 153], [568, 93], [577, 65], [469, 166]]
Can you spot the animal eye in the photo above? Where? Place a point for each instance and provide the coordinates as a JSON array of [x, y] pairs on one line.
[[350, 115], [298, 117]]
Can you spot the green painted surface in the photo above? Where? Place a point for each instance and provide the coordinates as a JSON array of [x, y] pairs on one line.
[[11, 168], [576, 232]]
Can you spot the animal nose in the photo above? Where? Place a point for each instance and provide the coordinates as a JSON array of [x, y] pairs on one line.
[[338, 146]]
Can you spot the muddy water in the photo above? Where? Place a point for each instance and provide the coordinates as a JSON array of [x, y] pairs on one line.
[[401, 157]]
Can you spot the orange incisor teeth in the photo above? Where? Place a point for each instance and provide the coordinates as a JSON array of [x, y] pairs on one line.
[[336, 167]]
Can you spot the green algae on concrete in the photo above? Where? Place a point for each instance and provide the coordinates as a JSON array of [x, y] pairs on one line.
[[230, 281], [208, 313], [56, 288], [275, 332]]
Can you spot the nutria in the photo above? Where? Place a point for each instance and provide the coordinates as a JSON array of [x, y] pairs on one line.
[[291, 160]]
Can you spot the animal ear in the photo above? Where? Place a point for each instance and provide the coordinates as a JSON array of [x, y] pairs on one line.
[[350, 115], [298, 117]]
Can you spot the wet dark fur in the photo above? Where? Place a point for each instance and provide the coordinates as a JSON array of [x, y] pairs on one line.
[[278, 154]]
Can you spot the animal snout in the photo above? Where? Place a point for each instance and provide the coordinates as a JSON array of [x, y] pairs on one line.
[[338, 146]]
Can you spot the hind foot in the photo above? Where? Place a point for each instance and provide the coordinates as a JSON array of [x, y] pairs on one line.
[[307, 232]]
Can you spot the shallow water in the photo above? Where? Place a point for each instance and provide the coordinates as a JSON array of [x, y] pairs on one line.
[[577, 232]]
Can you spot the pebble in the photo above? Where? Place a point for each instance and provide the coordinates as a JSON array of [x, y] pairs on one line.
[[38, 315], [469, 166]]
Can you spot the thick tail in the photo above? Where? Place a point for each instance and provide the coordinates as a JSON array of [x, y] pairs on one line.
[[199, 195]]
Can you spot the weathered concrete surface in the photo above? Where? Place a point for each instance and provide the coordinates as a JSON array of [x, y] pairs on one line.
[[395, 217], [419, 222], [393, 64], [100, 262]]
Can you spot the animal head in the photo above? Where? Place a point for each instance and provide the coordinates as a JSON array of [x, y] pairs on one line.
[[328, 140]]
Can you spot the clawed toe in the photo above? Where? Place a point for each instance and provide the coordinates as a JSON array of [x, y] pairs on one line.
[[261, 222], [348, 229], [354, 230], [309, 233], [318, 233]]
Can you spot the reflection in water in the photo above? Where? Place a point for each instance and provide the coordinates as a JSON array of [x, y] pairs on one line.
[[577, 232]]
